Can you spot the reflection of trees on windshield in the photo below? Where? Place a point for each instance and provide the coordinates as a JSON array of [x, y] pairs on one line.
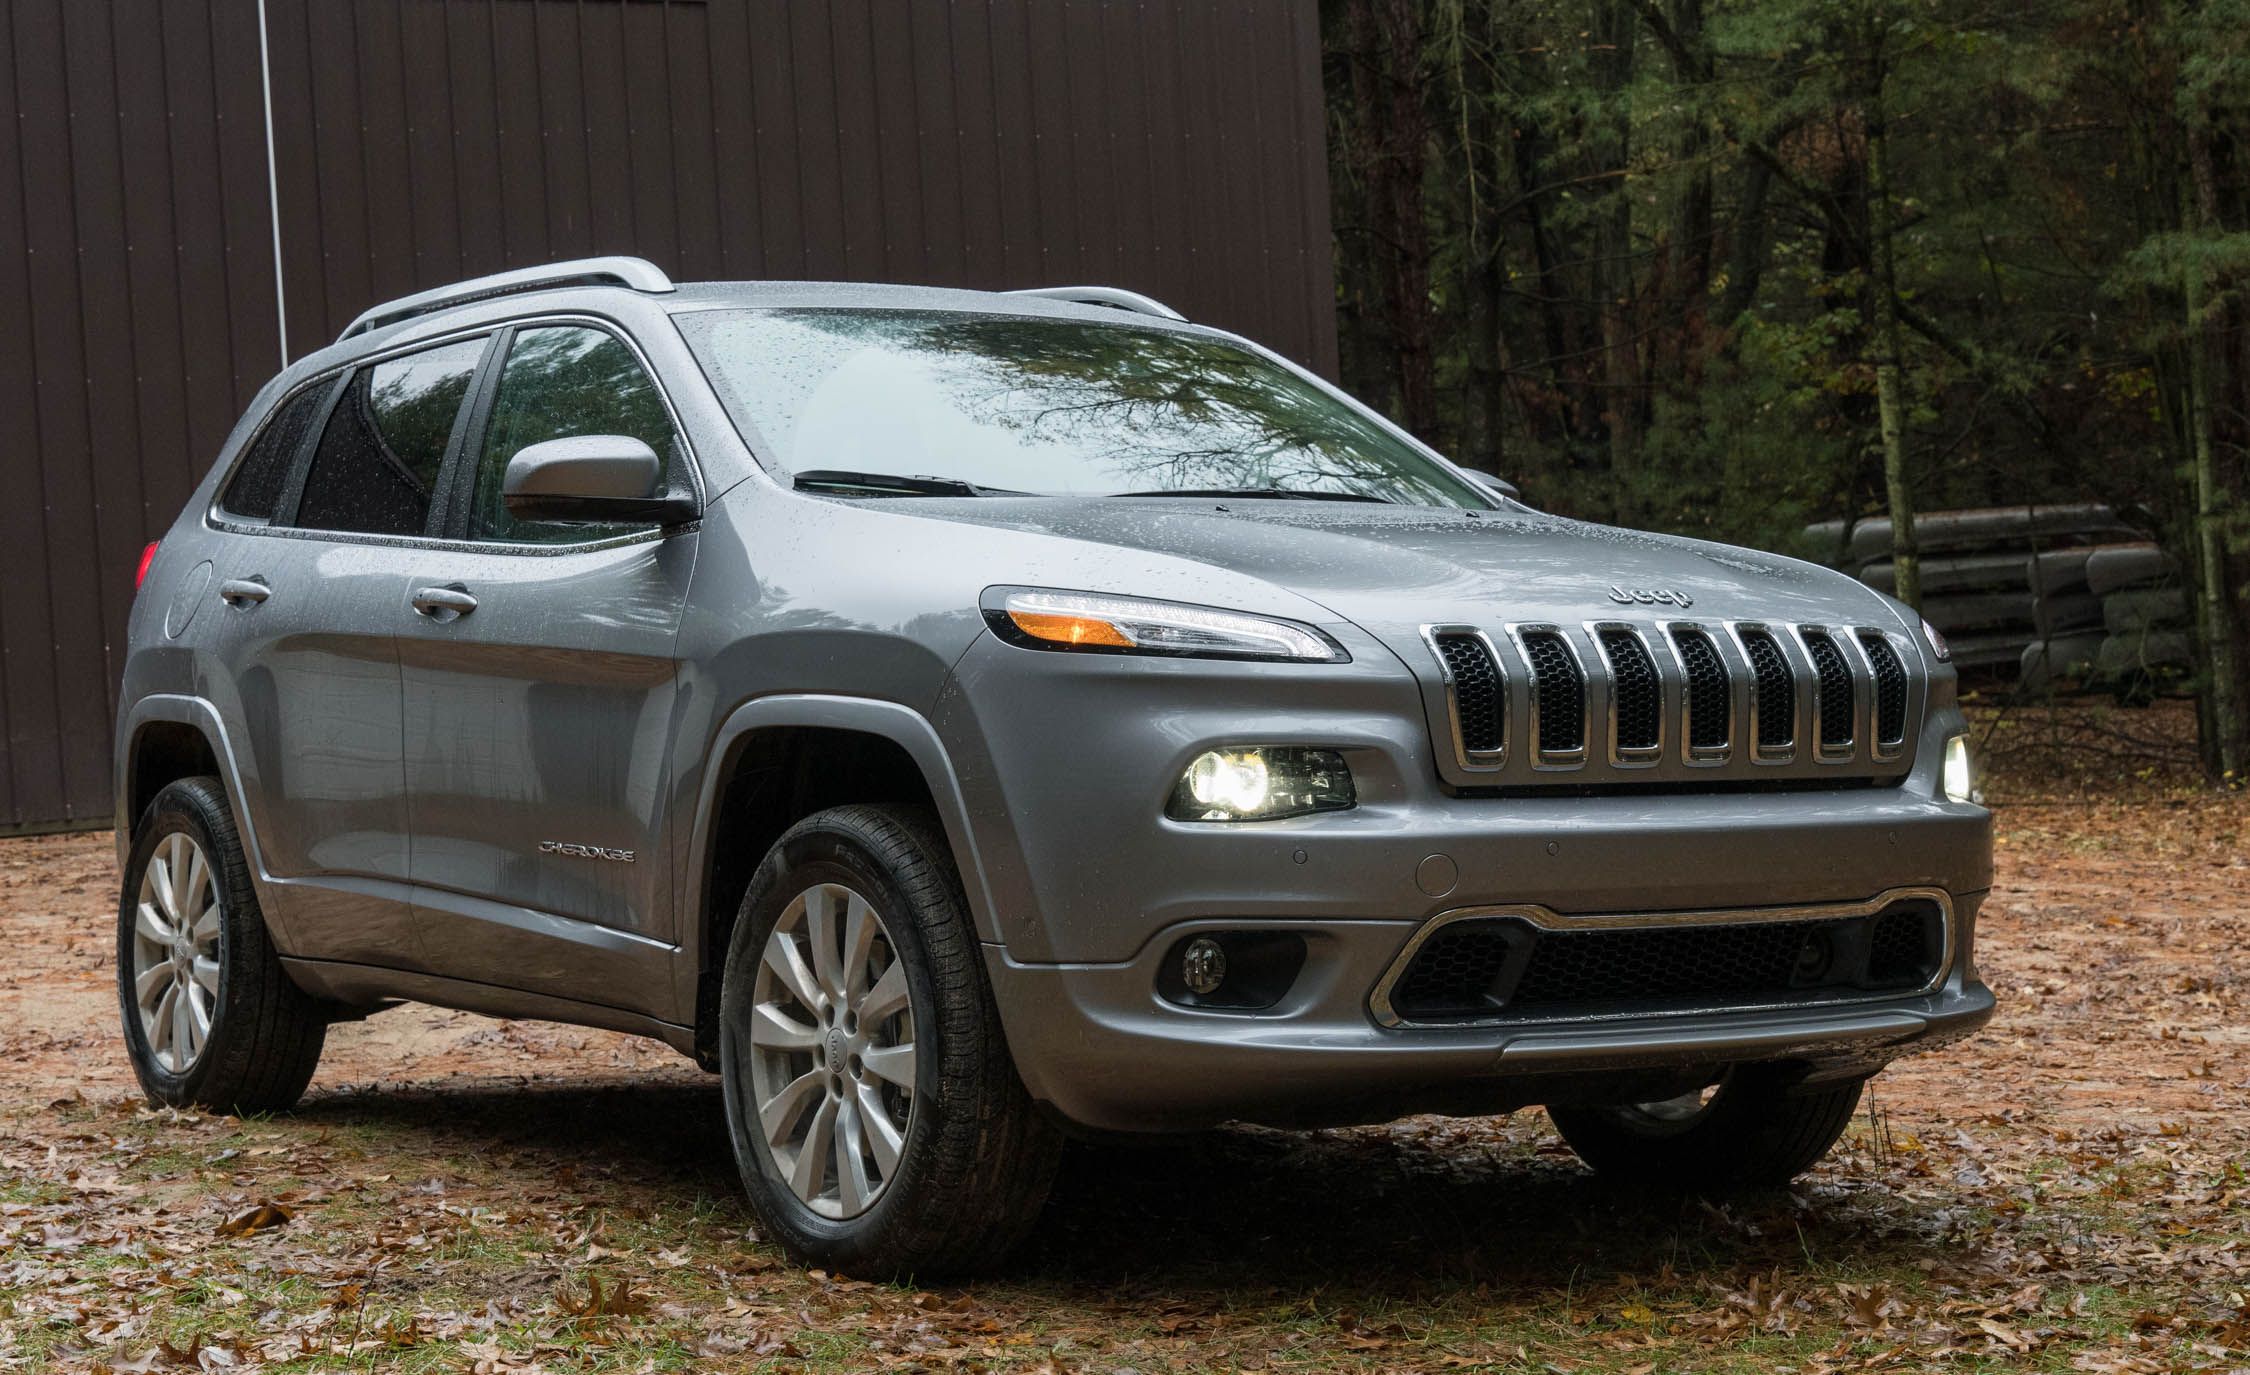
[[1147, 410]]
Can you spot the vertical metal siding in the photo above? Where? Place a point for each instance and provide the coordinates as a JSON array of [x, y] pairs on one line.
[[1170, 146]]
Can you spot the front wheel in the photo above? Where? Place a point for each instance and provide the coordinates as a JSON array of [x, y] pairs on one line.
[[878, 1122], [1751, 1130]]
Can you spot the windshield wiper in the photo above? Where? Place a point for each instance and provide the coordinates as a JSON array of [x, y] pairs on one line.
[[1290, 493], [892, 484]]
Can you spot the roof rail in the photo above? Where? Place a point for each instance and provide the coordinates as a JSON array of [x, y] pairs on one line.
[[1113, 296], [636, 273]]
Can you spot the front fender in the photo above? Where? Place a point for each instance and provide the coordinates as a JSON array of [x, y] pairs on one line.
[[893, 721]]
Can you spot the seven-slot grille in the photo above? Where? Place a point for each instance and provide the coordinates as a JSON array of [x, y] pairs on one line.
[[1674, 696]]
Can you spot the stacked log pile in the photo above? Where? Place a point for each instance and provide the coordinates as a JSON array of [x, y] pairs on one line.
[[2037, 595]]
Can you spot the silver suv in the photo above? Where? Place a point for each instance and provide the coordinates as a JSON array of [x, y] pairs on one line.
[[962, 718]]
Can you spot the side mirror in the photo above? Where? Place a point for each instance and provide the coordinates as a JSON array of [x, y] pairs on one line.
[[1494, 483], [591, 479]]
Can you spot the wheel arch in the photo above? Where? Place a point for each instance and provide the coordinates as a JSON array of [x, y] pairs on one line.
[[170, 736], [759, 783], [166, 738]]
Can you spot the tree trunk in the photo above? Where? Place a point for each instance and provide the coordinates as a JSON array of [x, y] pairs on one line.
[[1890, 401], [2225, 749]]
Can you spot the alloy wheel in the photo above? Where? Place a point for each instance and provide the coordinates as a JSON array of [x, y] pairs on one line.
[[832, 1053], [176, 931]]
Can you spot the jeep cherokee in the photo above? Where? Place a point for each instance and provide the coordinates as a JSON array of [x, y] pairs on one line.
[[959, 718]]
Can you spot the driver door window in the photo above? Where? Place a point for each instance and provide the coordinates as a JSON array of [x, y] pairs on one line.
[[561, 381]]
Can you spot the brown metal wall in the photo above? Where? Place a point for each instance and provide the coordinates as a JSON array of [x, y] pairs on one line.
[[1171, 146]]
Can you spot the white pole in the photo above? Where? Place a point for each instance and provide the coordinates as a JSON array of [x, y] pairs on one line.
[[273, 185]]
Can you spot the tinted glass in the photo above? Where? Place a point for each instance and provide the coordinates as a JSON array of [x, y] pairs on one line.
[[255, 489], [1051, 406], [377, 465], [561, 381]]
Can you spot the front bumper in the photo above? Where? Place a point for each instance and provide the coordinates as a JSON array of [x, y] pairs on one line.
[[1098, 1046]]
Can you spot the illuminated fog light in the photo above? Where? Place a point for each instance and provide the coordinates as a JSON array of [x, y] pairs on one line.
[[1261, 784], [1203, 966], [1960, 774], [1238, 783]]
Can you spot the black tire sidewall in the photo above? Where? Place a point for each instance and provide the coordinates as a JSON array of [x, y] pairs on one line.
[[182, 808], [1758, 1130], [819, 852]]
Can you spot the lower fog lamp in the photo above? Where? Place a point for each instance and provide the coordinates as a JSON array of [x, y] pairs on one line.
[[1262, 783]]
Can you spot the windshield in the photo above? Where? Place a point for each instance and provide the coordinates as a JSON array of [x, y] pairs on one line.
[[1009, 404]]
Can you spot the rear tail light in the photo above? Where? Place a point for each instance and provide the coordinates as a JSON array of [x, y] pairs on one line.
[[148, 556]]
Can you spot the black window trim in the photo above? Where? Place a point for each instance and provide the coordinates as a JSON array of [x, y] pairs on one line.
[[339, 377]]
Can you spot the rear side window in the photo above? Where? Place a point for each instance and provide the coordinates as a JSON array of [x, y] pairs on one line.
[[255, 490], [562, 381], [377, 466]]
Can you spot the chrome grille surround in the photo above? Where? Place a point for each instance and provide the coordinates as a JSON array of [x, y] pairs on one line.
[[1618, 676], [1547, 919], [1890, 689], [1703, 669], [1713, 723], [1773, 729], [1471, 758], [1824, 653], [1539, 721]]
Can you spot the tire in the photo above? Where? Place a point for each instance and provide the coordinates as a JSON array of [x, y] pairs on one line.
[[263, 1034], [1754, 1131], [970, 1160]]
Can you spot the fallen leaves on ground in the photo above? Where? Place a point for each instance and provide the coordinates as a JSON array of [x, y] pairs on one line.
[[2068, 1191]]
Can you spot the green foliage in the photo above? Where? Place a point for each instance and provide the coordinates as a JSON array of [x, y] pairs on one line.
[[1654, 287]]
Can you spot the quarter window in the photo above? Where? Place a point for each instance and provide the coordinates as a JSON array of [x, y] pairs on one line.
[[255, 490], [377, 466], [561, 381]]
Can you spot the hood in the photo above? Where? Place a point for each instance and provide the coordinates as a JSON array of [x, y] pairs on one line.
[[1393, 570]]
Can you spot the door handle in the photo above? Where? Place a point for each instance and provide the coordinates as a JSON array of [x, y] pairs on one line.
[[444, 603], [243, 593]]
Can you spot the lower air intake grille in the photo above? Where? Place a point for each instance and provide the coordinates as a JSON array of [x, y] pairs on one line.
[[1480, 704], [1709, 709], [1777, 691], [1455, 971], [1890, 688], [1835, 690], [1636, 696], [1558, 688], [1506, 966]]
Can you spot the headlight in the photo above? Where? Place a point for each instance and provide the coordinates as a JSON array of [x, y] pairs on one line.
[[1960, 774], [1039, 619], [1259, 784], [1937, 641]]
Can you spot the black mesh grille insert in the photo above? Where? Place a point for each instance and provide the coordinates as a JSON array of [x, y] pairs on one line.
[[1890, 688], [1636, 695], [1455, 972], [1777, 690], [1506, 966], [1707, 689], [1479, 701], [1902, 950], [1559, 686], [1835, 689]]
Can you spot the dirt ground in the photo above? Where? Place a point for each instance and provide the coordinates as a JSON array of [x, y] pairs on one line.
[[2069, 1191]]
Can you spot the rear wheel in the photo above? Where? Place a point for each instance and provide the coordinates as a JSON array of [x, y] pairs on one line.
[[210, 1019], [878, 1123], [1752, 1129]]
